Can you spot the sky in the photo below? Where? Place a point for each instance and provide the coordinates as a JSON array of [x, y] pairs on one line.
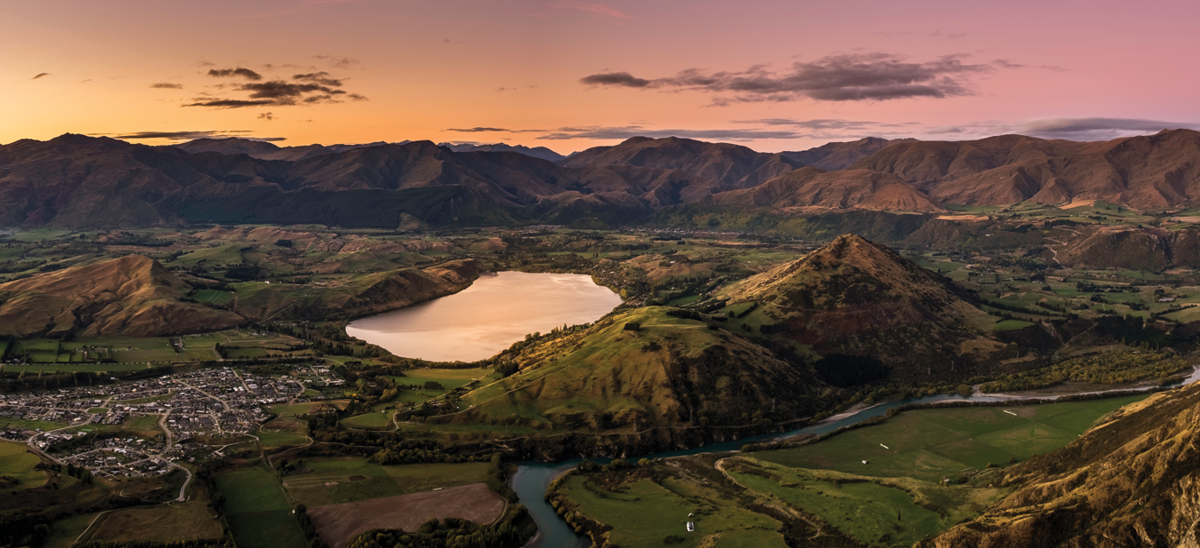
[[568, 75]]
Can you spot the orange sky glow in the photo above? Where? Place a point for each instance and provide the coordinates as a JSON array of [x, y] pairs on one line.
[[569, 75]]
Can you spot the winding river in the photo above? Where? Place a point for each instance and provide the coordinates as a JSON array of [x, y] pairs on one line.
[[533, 478], [500, 309]]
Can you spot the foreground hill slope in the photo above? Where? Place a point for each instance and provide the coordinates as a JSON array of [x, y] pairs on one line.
[[1133, 480], [859, 298], [670, 371], [131, 296]]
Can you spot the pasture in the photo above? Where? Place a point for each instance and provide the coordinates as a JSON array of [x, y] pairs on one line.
[[337, 524], [650, 511], [259, 514], [341, 480], [375, 420], [932, 444], [173, 522], [16, 468], [448, 378], [888, 512]]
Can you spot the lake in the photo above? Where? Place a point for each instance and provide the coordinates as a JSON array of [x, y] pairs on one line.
[[495, 312]]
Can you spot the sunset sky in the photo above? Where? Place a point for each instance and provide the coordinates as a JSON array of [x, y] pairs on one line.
[[568, 75]]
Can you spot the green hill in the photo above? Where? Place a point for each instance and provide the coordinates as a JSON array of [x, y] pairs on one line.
[[671, 371]]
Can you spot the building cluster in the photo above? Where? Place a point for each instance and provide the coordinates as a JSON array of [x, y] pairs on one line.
[[140, 428]]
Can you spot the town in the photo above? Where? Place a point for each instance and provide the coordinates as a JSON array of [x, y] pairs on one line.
[[142, 428]]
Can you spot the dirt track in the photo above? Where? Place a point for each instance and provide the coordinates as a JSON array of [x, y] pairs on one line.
[[338, 523]]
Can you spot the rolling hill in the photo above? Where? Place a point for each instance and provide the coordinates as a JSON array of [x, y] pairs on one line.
[[670, 371], [134, 296], [869, 307], [131, 296]]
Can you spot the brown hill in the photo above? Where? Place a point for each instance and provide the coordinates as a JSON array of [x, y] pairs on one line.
[[854, 297], [712, 166], [669, 371], [1132, 480], [835, 156], [1150, 172], [130, 296], [849, 189], [360, 295]]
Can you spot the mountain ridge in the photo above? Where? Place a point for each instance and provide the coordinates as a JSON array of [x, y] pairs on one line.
[[84, 182]]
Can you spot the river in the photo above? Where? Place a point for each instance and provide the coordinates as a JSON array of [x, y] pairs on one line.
[[499, 309], [533, 478], [487, 317]]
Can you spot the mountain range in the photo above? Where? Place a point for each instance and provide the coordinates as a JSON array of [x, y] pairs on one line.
[[84, 182]]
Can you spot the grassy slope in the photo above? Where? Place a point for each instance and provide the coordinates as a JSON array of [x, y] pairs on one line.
[[16, 463], [607, 370]]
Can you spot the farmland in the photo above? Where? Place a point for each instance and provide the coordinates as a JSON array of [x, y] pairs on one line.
[[348, 479], [173, 522], [258, 512], [933, 444], [16, 468], [912, 476], [651, 510], [340, 522]]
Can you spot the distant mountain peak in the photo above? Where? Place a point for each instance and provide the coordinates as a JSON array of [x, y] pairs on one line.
[[535, 152], [840, 155]]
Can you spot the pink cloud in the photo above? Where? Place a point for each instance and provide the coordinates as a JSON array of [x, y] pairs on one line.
[[601, 9]]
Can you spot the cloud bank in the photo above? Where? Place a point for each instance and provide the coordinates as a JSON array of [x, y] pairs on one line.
[[850, 77]]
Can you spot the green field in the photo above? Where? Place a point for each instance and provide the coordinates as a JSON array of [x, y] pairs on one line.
[[646, 512], [64, 531], [214, 296], [893, 512], [371, 421], [258, 512], [448, 378], [349, 479], [280, 439], [1012, 325], [30, 425], [17, 464], [133, 353], [143, 423], [933, 444]]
